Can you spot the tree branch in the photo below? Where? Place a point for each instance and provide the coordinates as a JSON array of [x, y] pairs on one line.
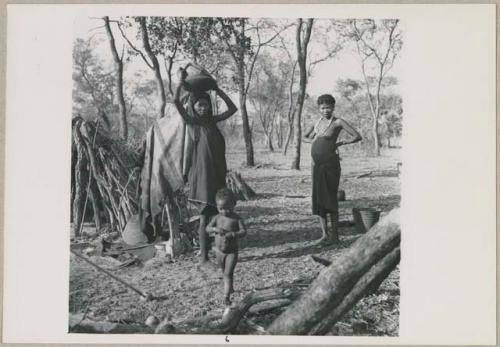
[[134, 48], [359, 37], [274, 36], [330, 54], [250, 72]]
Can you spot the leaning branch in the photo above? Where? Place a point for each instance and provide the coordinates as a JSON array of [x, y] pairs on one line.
[[138, 51]]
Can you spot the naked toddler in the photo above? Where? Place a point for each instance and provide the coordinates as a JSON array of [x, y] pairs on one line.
[[228, 227]]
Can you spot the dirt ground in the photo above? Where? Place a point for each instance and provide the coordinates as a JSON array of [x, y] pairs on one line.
[[276, 252]]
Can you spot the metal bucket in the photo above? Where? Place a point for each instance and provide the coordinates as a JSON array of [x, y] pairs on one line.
[[365, 218], [341, 195]]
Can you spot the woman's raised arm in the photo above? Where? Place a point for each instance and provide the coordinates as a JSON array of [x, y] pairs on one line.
[[231, 107]]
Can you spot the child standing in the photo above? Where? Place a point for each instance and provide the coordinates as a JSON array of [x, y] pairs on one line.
[[227, 227], [326, 164]]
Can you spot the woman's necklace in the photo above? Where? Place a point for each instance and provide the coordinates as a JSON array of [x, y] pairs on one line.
[[320, 129]]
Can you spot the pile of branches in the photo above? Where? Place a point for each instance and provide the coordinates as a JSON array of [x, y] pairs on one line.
[[104, 177]]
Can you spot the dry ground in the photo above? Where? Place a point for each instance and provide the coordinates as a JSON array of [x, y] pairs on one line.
[[275, 252]]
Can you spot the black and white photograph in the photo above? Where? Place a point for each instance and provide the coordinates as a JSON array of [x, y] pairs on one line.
[[236, 176], [250, 174]]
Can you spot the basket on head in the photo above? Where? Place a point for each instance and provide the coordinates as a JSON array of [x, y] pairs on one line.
[[365, 218]]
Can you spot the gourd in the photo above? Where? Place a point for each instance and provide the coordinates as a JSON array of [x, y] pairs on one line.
[[198, 79]]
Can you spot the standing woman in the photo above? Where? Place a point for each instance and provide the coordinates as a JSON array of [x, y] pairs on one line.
[[207, 173], [326, 164]]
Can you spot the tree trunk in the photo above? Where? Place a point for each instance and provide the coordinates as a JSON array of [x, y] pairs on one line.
[[269, 137], [156, 65], [279, 131], [289, 133], [247, 133], [338, 280], [291, 109], [119, 80], [302, 43], [169, 63], [377, 112], [376, 140], [298, 128]]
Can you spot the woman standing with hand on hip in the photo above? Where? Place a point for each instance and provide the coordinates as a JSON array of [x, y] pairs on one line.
[[326, 164], [207, 173]]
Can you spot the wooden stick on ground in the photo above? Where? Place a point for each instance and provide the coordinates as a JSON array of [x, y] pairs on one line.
[[116, 278], [321, 261]]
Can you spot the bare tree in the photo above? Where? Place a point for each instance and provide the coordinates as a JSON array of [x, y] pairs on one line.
[[320, 36], [302, 38], [119, 79], [234, 33], [267, 95], [377, 44], [152, 63], [91, 80]]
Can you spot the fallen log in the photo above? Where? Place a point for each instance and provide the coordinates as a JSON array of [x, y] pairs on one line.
[[267, 307], [239, 187], [321, 261], [368, 283], [335, 282], [78, 324], [212, 325]]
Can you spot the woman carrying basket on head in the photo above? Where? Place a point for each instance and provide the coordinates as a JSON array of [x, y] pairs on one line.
[[207, 167]]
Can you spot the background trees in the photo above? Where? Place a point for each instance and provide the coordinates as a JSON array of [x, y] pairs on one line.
[[377, 45], [125, 72]]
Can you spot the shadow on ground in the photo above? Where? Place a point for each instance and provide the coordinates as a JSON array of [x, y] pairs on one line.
[[303, 230], [309, 249]]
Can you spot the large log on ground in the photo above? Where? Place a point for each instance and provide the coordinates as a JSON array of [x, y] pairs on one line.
[[335, 282], [370, 281]]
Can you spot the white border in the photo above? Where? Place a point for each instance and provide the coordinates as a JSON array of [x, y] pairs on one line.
[[448, 255]]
